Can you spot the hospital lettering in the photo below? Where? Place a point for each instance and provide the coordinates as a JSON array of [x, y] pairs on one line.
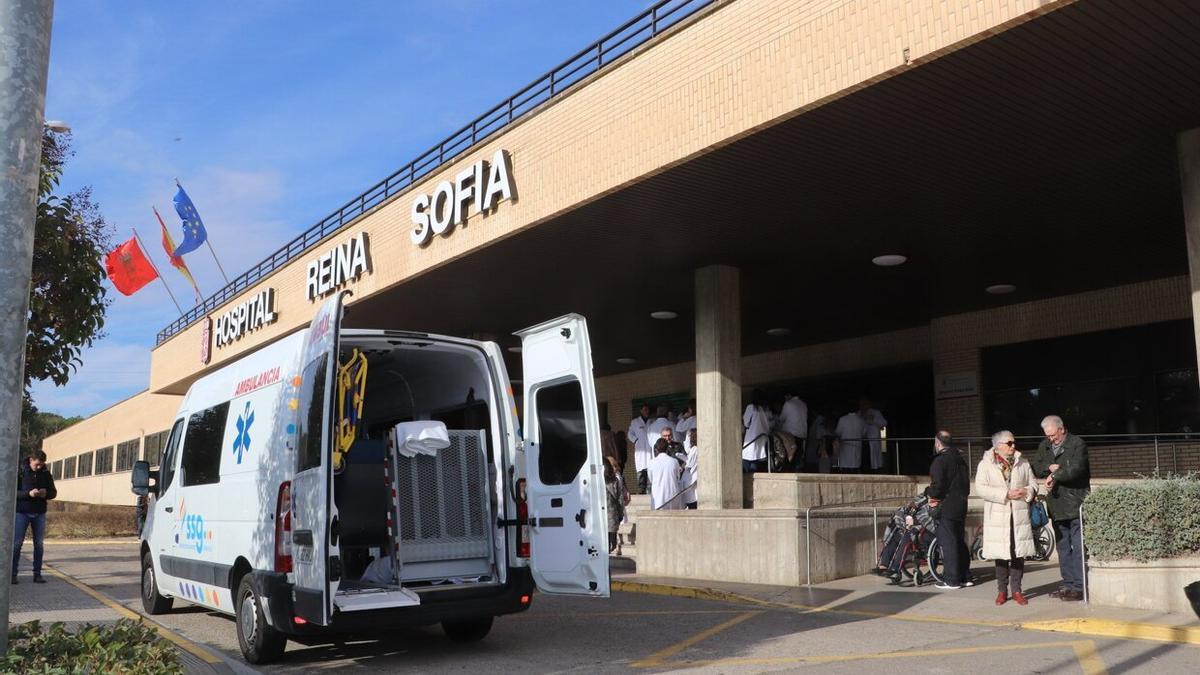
[[246, 317], [338, 266], [479, 188]]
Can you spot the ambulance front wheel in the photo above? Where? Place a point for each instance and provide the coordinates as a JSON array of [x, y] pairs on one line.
[[470, 630], [152, 601], [260, 642]]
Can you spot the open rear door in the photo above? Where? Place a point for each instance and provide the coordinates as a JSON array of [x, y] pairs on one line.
[[564, 475], [316, 561]]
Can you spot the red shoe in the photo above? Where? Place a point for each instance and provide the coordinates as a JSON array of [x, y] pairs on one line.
[[1019, 598], [1002, 598]]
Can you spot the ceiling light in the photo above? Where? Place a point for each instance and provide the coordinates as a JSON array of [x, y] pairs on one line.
[[889, 260], [664, 315], [1000, 289], [626, 361], [779, 332], [515, 350]]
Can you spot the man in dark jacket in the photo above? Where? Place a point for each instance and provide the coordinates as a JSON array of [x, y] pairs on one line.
[[1062, 460], [949, 486], [35, 486]]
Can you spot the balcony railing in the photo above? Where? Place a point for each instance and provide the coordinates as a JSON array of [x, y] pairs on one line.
[[603, 52]]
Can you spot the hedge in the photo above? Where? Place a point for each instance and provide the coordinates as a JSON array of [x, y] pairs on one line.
[[1147, 519], [127, 647]]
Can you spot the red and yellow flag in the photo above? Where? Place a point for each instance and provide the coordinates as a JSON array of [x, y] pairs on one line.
[[168, 245]]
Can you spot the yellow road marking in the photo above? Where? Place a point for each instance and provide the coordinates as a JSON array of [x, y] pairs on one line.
[[1092, 627], [725, 596], [179, 640], [1120, 629], [659, 657], [659, 612], [1085, 651], [1089, 659]]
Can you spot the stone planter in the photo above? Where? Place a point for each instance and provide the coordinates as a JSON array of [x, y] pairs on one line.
[[1155, 585]]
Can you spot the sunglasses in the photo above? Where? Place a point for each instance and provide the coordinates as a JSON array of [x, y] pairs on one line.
[[1009, 443]]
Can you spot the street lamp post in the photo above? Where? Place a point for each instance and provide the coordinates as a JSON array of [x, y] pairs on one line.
[[24, 61]]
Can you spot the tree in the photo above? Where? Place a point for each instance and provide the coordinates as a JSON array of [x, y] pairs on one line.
[[67, 297]]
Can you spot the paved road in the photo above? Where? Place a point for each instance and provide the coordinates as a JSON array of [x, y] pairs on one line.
[[636, 632]]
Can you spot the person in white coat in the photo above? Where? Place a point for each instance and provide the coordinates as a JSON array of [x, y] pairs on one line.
[[664, 478], [874, 421], [661, 422], [757, 425], [847, 443], [793, 420], [686, 424], [643, 452], [1006, 483], [691, 471]]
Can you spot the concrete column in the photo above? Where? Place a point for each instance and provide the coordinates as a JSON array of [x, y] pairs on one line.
[[719, 386], [1188, 147]]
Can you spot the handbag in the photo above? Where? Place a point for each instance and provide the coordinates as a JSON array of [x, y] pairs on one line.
[[1037, 515]]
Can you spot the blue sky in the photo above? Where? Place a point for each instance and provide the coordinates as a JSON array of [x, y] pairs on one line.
[[271, 113]]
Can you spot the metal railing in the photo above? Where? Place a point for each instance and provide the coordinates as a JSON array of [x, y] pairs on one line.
[[975, 446], [873, 504], [634, 33]]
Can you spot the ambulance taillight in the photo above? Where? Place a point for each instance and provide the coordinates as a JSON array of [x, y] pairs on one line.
[[283, 528], [522, 521]]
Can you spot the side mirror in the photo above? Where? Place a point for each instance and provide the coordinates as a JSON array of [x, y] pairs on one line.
[[140, 481]]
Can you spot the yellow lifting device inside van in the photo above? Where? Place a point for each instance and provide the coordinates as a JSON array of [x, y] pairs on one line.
[[352, 389]]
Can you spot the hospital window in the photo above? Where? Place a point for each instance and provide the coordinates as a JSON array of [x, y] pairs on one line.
[[201, 461], [312, 408], [154, 446], [69, 467], [127, 454], [84, 465], [104, 460], [563, 432], [56, 470]]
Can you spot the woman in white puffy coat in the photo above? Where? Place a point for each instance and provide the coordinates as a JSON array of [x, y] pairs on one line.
[[1006, 483]]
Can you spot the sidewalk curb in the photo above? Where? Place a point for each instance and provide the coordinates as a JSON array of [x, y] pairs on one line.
[[1130, 630], [1120, 629], [210, 658]]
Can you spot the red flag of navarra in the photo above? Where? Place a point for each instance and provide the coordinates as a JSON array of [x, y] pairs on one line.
[[128, 268]]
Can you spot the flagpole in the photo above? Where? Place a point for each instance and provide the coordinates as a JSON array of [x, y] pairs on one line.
[[160, 276], [214, 255]]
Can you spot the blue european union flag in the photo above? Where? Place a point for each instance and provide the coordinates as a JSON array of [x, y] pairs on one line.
[[194, 233]]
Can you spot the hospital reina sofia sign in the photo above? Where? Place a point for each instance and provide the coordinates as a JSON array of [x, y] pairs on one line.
[[476, 190]]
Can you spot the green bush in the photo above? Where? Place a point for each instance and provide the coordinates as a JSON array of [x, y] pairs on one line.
[[1147, 519], [125, 647]]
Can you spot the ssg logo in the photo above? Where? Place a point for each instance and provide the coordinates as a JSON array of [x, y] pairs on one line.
[[241, 442], [193, 527]]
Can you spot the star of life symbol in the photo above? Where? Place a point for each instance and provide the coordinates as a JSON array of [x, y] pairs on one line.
[[241, 442]]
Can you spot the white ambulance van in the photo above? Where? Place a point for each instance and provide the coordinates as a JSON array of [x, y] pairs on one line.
[[338, 480]]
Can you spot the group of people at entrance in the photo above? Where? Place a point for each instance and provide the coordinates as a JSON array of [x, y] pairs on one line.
[[667, 456], [1009, 485], [823, 446]]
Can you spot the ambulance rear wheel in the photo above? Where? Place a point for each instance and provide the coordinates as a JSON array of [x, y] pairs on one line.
[[470, 630], [260, 642], [152, 601]]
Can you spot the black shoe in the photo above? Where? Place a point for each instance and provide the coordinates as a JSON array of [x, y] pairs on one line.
[[1058, 593], [1072, 596], [37, 579], [14, 580]]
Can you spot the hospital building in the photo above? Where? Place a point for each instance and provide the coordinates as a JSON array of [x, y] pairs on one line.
[[975, 212]]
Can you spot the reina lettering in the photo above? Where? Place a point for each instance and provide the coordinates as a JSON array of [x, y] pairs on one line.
[[338, 266]]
